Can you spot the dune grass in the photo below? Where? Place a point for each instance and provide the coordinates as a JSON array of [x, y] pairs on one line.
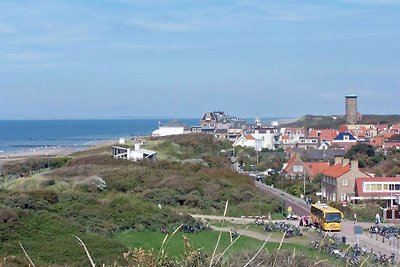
[[206, 241]]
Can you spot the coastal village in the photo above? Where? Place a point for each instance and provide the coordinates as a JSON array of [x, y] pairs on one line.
[[309, 152], [226, 178], [200, 133]]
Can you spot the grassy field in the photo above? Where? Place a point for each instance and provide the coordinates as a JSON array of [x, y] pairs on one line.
[[206, 241]]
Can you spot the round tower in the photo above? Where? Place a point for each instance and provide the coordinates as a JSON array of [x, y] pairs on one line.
[[351, 109]]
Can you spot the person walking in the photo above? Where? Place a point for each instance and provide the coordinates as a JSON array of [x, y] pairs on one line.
[[354, 218], [301, 221], [306, 222], [377, 219]]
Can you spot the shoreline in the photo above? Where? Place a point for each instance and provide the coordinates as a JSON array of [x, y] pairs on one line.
[[48, 151]]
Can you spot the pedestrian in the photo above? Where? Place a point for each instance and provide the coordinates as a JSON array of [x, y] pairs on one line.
[[301, 221], [377, 219], [306, 223], [289, 211], [354, 218]]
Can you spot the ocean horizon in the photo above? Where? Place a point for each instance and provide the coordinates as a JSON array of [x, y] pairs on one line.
[[32, 134]]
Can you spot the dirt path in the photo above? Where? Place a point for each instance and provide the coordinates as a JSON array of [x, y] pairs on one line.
[[258, 235]]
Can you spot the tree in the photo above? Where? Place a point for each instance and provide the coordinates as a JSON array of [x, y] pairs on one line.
[[360, 149]]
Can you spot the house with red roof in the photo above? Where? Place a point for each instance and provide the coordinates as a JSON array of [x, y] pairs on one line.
[[360, 131], [338, 181], [248, 141], [382, 128], [378, 188], [395, 128], [385, 188], [323, 134], [291, 136], [296, 168], [383, 141]]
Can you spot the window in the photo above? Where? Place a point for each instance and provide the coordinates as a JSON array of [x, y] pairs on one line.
[[374, 187], [367, 187], [397, 187], [385, 187], [301, 169], [333, 217], [346, 138], [295, 168], [345, 182], [343, 196]]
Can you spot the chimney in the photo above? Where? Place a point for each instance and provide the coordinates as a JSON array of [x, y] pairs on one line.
[[354, 165], [338, 160], [346, 162]]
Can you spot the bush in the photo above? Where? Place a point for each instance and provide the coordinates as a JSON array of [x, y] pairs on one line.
[[50, 196], [7, 216], [48, 182]]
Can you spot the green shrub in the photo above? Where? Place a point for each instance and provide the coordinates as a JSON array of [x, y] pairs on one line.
[[50, 196]]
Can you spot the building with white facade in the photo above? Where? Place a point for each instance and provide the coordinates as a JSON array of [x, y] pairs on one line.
[[248, 141], [171, 128], [125, 152], [269, 137]]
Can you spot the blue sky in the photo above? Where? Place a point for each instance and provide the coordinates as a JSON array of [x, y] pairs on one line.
[[179, 58]]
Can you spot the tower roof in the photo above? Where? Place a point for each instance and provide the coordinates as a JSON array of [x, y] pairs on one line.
[[351, 95]]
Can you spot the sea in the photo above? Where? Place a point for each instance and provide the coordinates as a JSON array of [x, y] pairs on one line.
[[33, 135]]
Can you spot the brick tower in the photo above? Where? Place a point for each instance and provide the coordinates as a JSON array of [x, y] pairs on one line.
[[351, 109]]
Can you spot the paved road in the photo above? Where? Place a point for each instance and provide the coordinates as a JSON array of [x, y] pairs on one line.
[[299, 207]]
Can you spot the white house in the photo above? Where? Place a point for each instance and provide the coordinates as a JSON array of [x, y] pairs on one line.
[[171, 128], [248, 141], [127, 153], [269, 137]]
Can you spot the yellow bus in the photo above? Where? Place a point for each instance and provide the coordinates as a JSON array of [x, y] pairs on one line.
[[326, 217]]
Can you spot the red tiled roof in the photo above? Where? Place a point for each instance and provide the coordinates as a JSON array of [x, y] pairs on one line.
[[317, 167], [285, 137], [360, 181], [388, 135], [249, 137], [290, 162], [336, 170], [343, 128], [325, 134], [396, 126], [382, 127]]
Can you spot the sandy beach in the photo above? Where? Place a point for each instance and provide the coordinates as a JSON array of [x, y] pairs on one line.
[[47, 152]]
